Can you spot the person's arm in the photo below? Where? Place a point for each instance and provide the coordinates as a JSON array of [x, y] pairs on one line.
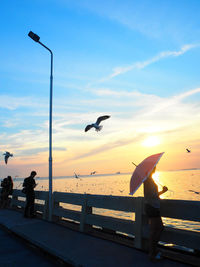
[[33, 184], [24, 184], [165, 189]]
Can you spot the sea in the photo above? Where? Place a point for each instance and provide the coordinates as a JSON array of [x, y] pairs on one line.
[[182, 185]]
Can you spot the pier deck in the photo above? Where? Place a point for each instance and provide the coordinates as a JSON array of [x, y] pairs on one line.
[[73, 247], [14, 252]]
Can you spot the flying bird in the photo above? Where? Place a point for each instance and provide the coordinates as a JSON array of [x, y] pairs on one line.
[[96, 124], [196, 192], [76, 175], [7, 155], [188, 150]]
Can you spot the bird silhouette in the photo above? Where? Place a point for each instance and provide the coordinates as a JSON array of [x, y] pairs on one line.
[[7, 155], [76, 175], [92, 173], [96, 124], [196, 192], [188, 150]]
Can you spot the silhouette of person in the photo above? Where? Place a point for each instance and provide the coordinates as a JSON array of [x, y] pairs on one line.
[[152, 210], [7, 189], [29, 185]]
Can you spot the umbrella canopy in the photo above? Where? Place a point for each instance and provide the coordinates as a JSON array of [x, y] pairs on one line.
[[142, 171]]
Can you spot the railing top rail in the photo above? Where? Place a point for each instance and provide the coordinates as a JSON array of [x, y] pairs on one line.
[[126, 204], [43, 195], [70, 198], [181, 209], [182, 202]]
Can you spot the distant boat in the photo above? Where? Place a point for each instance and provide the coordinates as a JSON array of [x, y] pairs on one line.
[[118, 172]]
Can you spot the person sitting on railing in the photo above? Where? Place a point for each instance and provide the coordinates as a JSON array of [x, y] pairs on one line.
[[7, 189], [28, 189], [152, 210]]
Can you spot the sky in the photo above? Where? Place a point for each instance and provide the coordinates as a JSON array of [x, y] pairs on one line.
[[137, 61]]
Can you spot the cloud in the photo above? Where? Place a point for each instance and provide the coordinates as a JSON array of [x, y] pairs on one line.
[[135, 127], [155, 19], [142, 64], [35, 151], [128, 125], [12, 102], [174, 101], [9, 124], [109, 146]]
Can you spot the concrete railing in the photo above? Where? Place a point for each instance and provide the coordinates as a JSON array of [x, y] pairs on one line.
[[81, 209], [41, 201], [85, 217], [182, 210], [177, 209]]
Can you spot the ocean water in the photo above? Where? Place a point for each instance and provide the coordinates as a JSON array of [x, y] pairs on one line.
[[182, 185]]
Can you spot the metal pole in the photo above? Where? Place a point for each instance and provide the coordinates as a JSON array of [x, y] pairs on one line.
[[50, 132]]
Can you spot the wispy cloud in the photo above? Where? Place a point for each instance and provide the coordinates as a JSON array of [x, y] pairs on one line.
[[14, 102], [109, 146], [135, 127], [174, 101], [36, 151], [142, 64]]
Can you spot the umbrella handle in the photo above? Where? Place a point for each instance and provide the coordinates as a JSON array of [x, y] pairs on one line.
[[134, 164]]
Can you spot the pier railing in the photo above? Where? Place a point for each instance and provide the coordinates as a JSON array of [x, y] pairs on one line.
[[98, 212], [182, 210], [18, 201]]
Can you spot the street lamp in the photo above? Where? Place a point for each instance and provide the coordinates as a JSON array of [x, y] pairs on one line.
[[36, 38]]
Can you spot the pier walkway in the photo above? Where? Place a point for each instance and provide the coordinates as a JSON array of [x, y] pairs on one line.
[[72, 247], [14, 252]]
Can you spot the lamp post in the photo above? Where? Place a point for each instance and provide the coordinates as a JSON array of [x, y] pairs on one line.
[[36, 38]]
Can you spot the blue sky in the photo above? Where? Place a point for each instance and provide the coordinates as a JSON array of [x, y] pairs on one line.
[[134, 60]]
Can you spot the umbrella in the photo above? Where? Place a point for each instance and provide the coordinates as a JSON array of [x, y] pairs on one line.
[[142, 171]]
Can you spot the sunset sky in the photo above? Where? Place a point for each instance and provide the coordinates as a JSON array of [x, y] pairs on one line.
[[137, 61]]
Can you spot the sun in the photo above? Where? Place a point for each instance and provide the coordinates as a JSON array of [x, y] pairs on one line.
[[155, 176], [151, 141]]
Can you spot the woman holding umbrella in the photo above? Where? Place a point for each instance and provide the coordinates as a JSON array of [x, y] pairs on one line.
[[143, 174], [152, 209]]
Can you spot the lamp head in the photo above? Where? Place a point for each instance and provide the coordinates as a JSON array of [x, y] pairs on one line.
[[34, 36]]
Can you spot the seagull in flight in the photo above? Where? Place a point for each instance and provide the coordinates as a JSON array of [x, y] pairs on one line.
[[96, 124], [188, 150], [7, 155], [76, 175], [198, 193]]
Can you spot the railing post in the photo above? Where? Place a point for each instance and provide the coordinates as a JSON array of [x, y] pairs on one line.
[[13, 200], [84, 212], [45, 215], [138, 222]]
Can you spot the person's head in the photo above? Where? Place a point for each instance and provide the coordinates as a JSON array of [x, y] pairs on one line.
[[33, 174], [9, 178]]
